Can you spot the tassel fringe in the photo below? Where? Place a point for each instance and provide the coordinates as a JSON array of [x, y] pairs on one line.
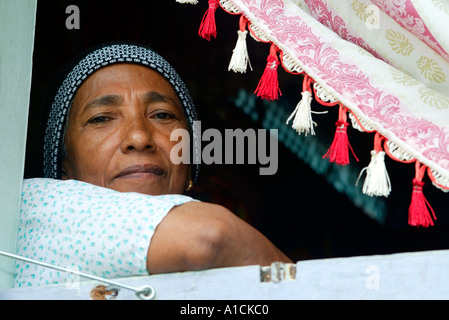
[[268, 87], [302, 114], [420, 212], [208, 28], [377, 181], [240, 59], [339, 149]]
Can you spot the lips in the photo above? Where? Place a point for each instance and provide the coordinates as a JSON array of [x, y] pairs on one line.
[[141, 170]]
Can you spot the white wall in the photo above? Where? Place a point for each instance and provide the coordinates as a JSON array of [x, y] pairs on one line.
[[402, 276], [17, 23]]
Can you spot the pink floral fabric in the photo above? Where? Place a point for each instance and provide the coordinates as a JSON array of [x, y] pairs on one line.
[[405, 13], [374, 90], [326, 16]]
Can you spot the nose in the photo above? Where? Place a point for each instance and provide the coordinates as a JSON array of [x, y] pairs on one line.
[[138, 136]]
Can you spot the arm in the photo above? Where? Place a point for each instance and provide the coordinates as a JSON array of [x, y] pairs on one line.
[[197, 235]]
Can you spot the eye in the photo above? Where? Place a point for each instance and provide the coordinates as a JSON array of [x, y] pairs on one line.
[[99, 119], [162, 115]]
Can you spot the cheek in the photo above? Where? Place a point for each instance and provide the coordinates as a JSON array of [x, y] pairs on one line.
[[91, 156], [179, 172], [180, 178]]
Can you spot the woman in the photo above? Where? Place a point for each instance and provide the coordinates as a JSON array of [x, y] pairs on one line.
[[120, 208]]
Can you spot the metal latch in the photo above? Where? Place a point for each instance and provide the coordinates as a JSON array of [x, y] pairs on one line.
[[278, 271]]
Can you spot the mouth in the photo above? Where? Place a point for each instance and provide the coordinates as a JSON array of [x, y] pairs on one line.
[[141, 171]]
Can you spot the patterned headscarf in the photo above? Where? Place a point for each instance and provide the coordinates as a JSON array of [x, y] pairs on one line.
[[86, 66]]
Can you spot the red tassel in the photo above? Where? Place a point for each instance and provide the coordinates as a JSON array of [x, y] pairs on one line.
[[420, 212], [208, 28], [268, 87], [339, 150]]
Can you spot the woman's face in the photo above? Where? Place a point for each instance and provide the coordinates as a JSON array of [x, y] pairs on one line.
[[118, 133]]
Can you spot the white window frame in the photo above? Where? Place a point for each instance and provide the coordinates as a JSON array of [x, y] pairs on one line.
[[17, 27]]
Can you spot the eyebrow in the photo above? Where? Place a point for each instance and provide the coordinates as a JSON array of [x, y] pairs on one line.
[[153, 96], [115, 100], [106, 100]]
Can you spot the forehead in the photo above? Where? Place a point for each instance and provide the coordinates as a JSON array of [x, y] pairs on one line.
[[124, 76]]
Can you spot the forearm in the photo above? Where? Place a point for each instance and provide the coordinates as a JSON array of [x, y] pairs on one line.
[[198, 236], [244, 245]]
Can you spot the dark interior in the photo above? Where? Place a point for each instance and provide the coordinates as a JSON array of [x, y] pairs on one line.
[[296, 208]]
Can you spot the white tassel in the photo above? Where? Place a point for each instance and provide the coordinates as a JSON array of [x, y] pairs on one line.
[[377, 181], [303, 115], [187, 1], [240, 59]]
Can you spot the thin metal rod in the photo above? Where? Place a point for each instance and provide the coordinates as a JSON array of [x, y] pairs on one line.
[[92, 277]]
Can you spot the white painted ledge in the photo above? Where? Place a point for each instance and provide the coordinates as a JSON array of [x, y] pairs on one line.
[[405, 276]]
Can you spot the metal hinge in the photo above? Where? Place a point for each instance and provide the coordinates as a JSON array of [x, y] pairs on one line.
[[278, 271]]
